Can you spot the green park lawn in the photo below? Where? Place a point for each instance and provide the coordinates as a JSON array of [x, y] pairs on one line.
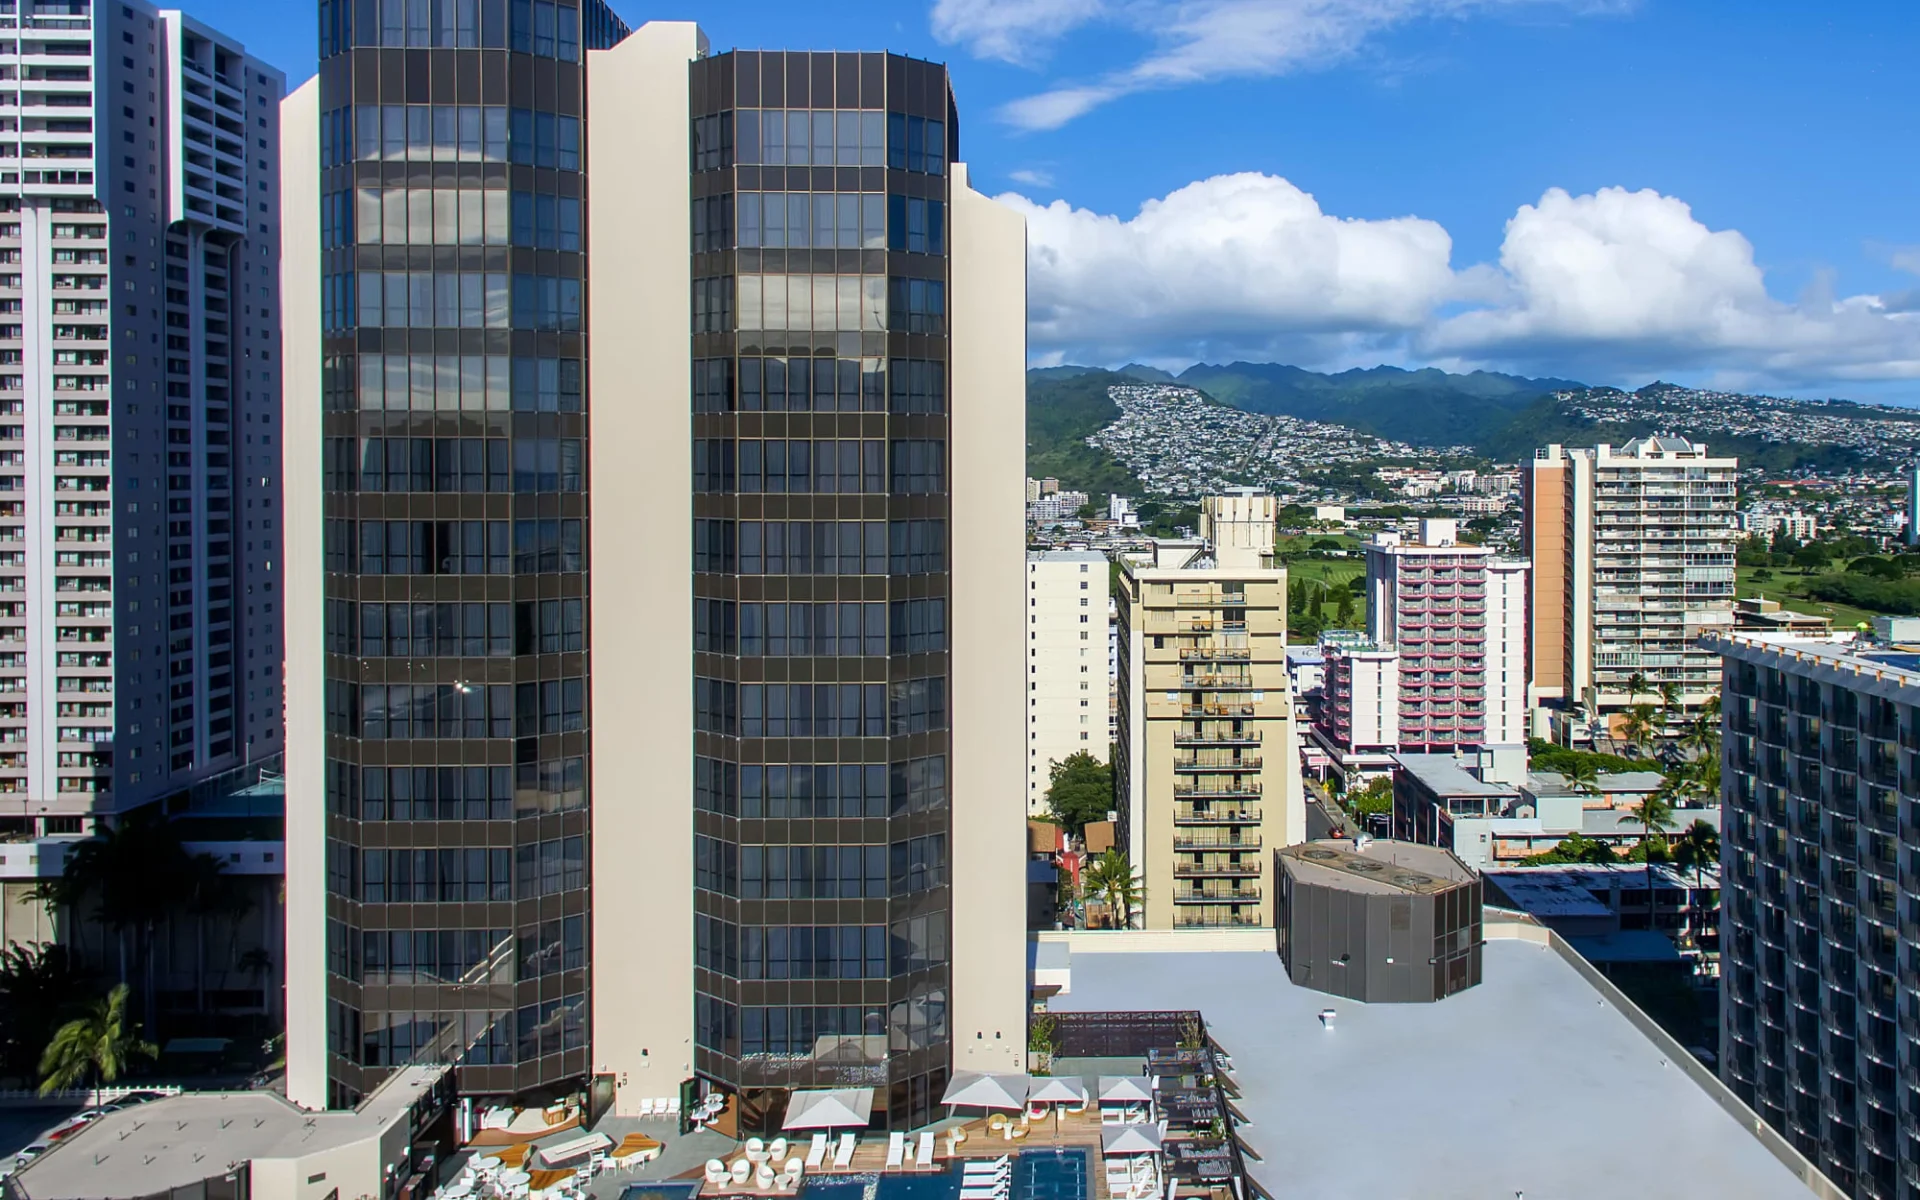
[[1787, 586]]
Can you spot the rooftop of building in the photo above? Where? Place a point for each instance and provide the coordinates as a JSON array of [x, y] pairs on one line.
[[182, 1140], [1893, 665], [1066, 556], [1375, 866], [1489, 1093], [1444, 775], [1611, 783], [1566, 889]]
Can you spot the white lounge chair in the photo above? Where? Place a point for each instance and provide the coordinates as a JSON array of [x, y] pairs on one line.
[[763, 1176], [777, 1150], [843, 1156], [673, 1106], [717, 1171], [896, 1150], [646, 1108], [741, 1171], [982, 1193], [817, 1153], [924, 1154]]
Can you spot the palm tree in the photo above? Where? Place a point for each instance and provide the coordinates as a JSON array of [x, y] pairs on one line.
[[1701, 737], [1655, 815], [98, 1046], [1698, 847], [1582, 776], [1636, 684], [39, 985], [1669, 701], [210, 893], [1640, 726], [1111, 878]]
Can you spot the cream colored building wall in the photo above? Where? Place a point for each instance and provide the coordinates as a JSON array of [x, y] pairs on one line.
[[641, 624], [1239, 527], [1171, 605], [1507, 583], [304, 584], [1066, 664], [988, 309]]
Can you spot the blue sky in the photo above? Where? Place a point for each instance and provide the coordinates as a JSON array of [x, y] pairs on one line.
[[1344, 182]]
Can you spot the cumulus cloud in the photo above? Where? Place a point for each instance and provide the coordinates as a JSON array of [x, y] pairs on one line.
[[1619, 282], [1033, 177], [1194, 41]]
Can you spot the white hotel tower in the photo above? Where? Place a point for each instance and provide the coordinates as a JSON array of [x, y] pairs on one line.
[[139, 387]]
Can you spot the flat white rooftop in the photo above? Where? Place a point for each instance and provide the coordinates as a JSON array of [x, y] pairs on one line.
[[1528, 1083]]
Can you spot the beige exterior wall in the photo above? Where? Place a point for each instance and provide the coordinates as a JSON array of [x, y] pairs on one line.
[[304, 584], [641, 623], [1206, 653], [1507, 651], [1067, 622], [1543, 537], [988, 524]]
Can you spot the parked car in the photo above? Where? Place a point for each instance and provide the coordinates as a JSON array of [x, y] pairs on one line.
[[71, 1126], [139, 1098], [30, 1152]]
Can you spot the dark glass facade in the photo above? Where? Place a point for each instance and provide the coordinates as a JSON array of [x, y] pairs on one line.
[[820, 576], [454, 343]]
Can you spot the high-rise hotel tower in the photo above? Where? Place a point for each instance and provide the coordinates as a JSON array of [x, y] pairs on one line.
[[139, 402], [655, 553]]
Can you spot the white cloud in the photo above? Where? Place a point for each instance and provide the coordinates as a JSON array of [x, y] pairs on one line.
[[1231, 260], [1195, 40], [1616, 283], [1032, 177]]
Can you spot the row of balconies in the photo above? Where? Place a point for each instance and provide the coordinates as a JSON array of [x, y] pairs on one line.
[[1216, 870], [1204, 762], [1245, 894], [1187, 814], [1243, 737]]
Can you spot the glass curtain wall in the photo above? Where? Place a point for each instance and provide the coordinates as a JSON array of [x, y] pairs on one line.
[[819, 342], [456, 508]]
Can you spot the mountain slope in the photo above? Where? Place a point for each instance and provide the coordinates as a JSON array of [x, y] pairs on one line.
[[1428, 406], [1064, 406]]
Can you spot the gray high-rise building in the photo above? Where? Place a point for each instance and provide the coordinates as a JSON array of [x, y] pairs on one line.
[[655, 552], [139, 402], [1821, 891]]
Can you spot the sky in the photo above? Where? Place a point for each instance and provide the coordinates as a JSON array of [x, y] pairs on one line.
[[1713, 192]]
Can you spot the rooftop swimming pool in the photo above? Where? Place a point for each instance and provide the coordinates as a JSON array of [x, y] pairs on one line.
[[1037, 1175]]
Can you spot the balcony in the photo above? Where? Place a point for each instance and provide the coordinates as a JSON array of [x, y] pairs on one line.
[[1216, 791], [1186, 814], [1249, 870], [1242, 895], [1246, 737], [1215, 921], [1216, 710], [1249, 762], [1217, 682], [1211, 841], [1215, 653]]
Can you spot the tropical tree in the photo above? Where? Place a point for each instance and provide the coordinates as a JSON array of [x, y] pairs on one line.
[[211, 894], [1110, 877], [1080, 789], [40, 984], [1654, 814], [1701, 736], [1636, 684], [1669, 702], [98, 1047], [1640, 726], [1697, 848], [1582, 776]]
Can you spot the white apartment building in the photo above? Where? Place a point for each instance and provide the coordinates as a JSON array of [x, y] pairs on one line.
[[1507, 697], [1633, 550], [1069, 626], [139, 387]]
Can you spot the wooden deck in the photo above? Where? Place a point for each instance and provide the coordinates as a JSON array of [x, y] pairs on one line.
[[870, 1156]]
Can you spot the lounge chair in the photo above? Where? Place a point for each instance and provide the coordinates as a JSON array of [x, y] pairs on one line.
[[763, 1177], [777, 1150], [817, 1153], [1037, 1111], [717, 1172], [988, 1164], [997, 1191], [843, 1156], [924, 1154], [790, 1175], [740, 1172], [896, 1150]]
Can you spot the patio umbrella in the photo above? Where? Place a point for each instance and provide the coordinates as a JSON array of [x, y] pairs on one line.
[[1061, 1089], [1130, 1139], [977, 1089], [1123, 1089], [825, 1109]]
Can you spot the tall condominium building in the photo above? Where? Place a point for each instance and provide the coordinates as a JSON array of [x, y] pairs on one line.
[[1820, 784], [1632, 551], [1205, 765], [1913, 503], [655, 526], [139, 227], [1067, 627], [1446, 634]]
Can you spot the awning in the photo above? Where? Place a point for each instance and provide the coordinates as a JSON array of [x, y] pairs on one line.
[[1130, 1139], [976, 1089], [828, 1109], [1064, 1089], [1123, 1089]]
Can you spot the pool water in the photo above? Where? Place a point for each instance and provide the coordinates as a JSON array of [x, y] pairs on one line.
[[1050, 1175], [1037, 1175]]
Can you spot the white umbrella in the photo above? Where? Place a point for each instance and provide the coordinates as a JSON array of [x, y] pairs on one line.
[[1130, 1139], [826, 1109], [1123, 1089], [977, 1089], [1063, 1089]]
